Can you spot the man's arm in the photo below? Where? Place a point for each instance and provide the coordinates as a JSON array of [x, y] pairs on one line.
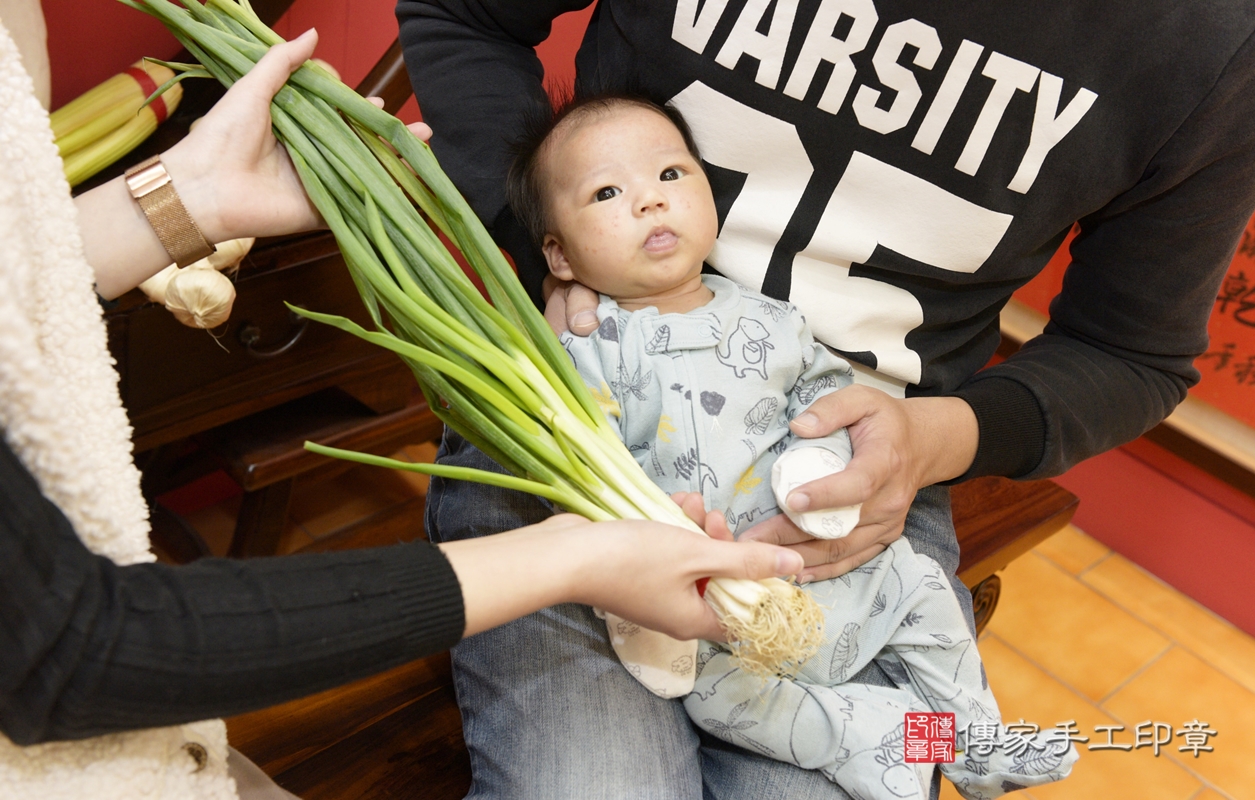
[[1118, 354], [475, 73]]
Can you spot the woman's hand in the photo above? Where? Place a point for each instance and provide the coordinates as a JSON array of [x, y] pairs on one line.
[[232, 174], [648, 573], [643, 571], [236, 178], [900, 446]]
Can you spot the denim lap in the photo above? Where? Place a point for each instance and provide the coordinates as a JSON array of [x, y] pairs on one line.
[[548, 711]]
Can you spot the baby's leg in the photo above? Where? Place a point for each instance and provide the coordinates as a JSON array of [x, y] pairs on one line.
[[853, 733], [930, 650]]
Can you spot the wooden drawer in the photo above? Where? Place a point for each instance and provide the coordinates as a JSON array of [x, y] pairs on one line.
[[177, 381]]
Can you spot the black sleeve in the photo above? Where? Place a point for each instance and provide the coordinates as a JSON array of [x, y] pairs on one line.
[[88, 647], [1117, 356], [475, 73]]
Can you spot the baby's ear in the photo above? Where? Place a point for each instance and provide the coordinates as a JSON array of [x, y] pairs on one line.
[[556, 257]]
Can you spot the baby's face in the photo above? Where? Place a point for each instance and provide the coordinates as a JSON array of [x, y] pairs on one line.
[[630, 210]]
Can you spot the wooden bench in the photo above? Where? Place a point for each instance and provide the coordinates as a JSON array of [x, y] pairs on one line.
[[399, 734]]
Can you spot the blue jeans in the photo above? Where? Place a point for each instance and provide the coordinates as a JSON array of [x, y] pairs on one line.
[[549, 712]]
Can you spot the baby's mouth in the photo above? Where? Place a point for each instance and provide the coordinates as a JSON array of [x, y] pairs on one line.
[[660, 240]]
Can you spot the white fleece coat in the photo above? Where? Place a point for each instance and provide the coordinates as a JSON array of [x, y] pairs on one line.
[[61, 414]]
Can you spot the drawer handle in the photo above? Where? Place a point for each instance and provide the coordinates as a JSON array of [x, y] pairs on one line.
[[250, 336]]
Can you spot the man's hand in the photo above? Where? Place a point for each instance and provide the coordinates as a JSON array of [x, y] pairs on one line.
[[900, 446], [569, 306]]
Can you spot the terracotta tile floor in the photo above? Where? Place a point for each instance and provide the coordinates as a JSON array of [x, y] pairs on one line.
[[1083, 634], [1080, 634]]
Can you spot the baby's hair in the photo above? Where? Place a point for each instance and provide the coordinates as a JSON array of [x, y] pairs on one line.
[[525, 182]]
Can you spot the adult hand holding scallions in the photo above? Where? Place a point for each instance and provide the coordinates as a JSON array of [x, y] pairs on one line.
[[495, 372]]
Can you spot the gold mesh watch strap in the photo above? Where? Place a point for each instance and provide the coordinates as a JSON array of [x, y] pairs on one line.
[[151, 187]]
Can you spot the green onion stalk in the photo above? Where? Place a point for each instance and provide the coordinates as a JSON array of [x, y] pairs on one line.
[[492, 371]]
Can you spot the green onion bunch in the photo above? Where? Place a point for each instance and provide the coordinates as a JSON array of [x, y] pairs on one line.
[[494, 372]]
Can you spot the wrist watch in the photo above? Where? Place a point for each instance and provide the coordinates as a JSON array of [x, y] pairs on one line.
[[151, 187]]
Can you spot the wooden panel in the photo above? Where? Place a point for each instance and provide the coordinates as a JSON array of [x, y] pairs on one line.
[[179, 381], [268, 447], [400, 523], [417, 751], [998, 520], [280, 738]]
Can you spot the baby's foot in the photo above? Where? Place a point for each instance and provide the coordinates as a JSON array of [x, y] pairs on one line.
[[1012, 762]]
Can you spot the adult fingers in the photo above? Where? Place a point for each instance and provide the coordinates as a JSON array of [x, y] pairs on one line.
[[716, 527], [273, 70], [749, 561], [420, 129], [693, 506], [836, 410], [555, 304], [825, 558], [581, 309], [868, 471], [778, 530], [879, 432], [842, 565]]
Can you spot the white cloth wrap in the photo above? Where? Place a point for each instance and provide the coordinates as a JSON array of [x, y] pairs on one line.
[[800, 466]]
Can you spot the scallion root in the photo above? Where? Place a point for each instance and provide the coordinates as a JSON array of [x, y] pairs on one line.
[[773, 626]]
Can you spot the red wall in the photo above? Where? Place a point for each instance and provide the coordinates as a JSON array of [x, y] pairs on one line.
[[90, 40]]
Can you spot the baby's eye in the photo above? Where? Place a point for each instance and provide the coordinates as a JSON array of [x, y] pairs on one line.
[[605, 193], [670, 174]]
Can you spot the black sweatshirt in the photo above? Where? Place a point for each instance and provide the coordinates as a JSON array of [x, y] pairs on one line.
[[897, 168], [88, 647]]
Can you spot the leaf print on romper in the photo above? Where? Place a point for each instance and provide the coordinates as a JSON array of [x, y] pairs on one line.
[[844, 653], [635, 385], [608, 330], [732, 730], [746, 349], [660, 342], [761, 415], [688, 463], [806, 392], [774, 309]]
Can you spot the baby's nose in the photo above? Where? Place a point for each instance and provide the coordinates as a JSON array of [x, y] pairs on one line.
[[653, 199]]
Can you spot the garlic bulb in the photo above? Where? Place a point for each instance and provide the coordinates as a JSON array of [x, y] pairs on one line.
[[228, 255], [200, 295], [155, 287]]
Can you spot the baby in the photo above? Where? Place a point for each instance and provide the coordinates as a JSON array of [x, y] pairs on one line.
[[701, 378]]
